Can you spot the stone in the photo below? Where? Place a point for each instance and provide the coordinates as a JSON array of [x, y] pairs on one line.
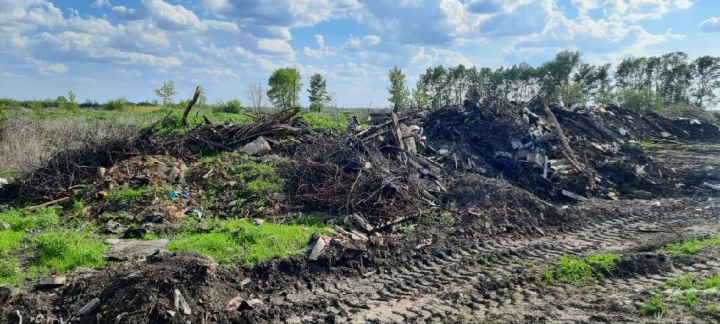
[[317, 249], [130, 250], [259, 146], [53, 281]]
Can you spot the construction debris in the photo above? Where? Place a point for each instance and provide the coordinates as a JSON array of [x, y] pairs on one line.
[[135, 249]]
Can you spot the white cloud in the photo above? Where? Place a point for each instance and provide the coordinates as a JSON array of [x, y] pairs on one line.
[[48, 68], [710, 25], [101, 3], [276, 46], [431, 56], [172, 16]]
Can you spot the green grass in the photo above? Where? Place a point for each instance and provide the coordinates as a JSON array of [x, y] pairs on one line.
[[254, 178], [325, 120], [686, 281], [21, 220], [712, 282], [240, 240], [10, 240], [222, 247], [11, 273], [64, 251], [654, 306], [692, 246], [576, 270], [128, 195]]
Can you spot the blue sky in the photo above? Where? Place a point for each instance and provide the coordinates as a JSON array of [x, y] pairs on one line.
[[102, 49]]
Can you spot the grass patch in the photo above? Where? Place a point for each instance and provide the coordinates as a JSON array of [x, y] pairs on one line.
[[22, 220], [128, 195], [325, 120], [64, 251], [10, 241], [653, 307], [576, 270], [253, 178], [240, 240], [10, 272], [712, 282], [222, 247], [692, 246], [685, 281]]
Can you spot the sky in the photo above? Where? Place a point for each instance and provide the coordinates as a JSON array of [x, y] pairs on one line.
[[104, 49]]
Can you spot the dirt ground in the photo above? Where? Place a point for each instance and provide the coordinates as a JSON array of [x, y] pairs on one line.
[[474, 270]]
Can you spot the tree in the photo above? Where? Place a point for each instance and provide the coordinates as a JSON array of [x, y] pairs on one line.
[[318, 93], [706, 74], [419, 97], [285, 87], [399, 93], [166, 92], [556, 74], [256, 96]]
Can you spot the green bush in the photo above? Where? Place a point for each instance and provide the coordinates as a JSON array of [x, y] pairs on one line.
[[116, 104], [654, 306], [232, 107]]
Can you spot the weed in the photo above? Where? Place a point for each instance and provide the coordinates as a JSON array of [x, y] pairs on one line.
[[231, 107], [654, 306], [691, 246], [78, 206], [219, 246], [64, 251], [239, 239], [407, 227], [576, 270], [712, 282], [685, 281], [128, 195], [529, 263], [325, 120], [10, 240], [10, 272], [21, 220], [116, 104]]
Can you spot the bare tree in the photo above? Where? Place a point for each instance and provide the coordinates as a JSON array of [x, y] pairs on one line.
[[256, 96]]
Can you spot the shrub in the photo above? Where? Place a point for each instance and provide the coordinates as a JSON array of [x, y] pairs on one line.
[[654, 306], [116, 104], [233, 107]]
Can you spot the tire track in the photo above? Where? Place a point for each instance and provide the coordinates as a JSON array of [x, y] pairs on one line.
[[477, 279]]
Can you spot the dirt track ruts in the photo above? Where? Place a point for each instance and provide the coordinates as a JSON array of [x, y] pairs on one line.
[[482, 279]]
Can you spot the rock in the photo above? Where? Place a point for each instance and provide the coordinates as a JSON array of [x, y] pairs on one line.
[[239, 304], [112, 241], [3, 182], [622, 131], [317, 249], [89, 307], [135, 233], [5, 293], [154, 217], [259, 146], [127, 250], [54, 281], [641, 194], [180, 304], [4, 225], [115, 227], [258, 221], [171, 313], [573, 195]]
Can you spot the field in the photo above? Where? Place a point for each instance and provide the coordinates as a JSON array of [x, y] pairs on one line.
[[493, 211]]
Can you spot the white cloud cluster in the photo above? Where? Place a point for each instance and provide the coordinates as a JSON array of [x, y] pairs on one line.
[[710, 25]]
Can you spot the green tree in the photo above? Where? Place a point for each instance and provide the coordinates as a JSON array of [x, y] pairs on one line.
[[318, 94], [419, 97], [399, 93], [706, 75], [556, 75], [166, 92], [285, 84]]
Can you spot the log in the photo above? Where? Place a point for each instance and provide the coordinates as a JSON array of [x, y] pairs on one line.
[[190, 105]]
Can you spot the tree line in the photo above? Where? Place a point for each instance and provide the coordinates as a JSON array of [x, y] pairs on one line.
[[670, 81]]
